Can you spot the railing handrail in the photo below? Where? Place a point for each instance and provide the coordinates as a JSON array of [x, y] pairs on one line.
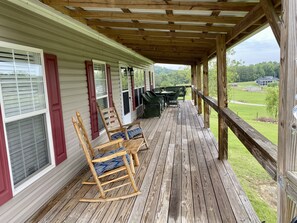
[[258, 145]]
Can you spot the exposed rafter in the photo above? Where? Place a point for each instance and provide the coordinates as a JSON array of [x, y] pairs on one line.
[[170, 5], [272, 18], [155, 17], [119, 32], [171, 30], [200, 28]]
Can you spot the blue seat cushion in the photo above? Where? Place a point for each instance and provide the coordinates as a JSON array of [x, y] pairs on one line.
[[131, 134], [109, 164]]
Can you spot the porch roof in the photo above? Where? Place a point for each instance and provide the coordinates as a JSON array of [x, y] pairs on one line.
[[169, 31]]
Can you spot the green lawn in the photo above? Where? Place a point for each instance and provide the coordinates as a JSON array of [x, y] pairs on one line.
[[247, 95], [253, 178]]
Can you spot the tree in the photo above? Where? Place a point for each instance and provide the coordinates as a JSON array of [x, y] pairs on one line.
[[232, 67], [272, 100], [167, 77]]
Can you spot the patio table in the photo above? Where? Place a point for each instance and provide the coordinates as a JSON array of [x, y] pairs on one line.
[[166, 94], [132, 146]]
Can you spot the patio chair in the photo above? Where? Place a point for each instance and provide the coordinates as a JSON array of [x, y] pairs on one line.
[[151, 108], [115, 129], [105, 164], [173, 99]]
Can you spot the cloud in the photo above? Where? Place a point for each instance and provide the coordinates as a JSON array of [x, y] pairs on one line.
[[259, 48], [171, 66]]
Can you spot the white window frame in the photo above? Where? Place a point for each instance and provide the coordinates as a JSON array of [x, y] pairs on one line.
[[106, 82], [30, 180]]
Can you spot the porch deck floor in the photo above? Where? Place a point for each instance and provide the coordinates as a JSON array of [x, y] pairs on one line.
[[180, 179]]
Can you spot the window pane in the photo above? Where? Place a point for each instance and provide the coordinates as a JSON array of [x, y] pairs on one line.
[[126, 103], [101, 88], [100, 80], [142, 91], [28, 147], [136, 96], [103, 103], [21, 79], [124, 79]]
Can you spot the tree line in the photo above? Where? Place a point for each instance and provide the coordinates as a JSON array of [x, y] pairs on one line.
[[254, 71], [237, 71]]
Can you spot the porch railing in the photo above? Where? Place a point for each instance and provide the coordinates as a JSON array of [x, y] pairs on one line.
[[258, 145]]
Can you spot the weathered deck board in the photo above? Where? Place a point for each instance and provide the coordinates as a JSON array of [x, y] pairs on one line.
[[180, 178]]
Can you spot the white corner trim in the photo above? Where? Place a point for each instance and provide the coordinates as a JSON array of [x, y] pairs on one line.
[[54, 15]]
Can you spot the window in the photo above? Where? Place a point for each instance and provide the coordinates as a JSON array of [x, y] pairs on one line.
[[138, 86], [101, 85], [25, 113]]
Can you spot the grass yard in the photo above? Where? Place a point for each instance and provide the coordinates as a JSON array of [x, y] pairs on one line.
[[256, 182], [248, 94]]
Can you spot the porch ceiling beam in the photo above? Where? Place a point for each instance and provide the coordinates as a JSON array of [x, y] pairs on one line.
[[162, 43], [121, 32], [175, 60], [92, 22], [250, 19], [165, 48], [253, 16], [172, 54], [169, 5], [272, 18], [157, 17], [168, 49], [168, 61], [166, 40]]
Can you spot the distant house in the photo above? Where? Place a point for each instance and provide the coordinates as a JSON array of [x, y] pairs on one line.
[[263, 81]]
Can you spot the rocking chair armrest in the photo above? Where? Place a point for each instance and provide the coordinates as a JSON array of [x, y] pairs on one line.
[[118, 130], [137, 122], [108, 144], [105, 158]]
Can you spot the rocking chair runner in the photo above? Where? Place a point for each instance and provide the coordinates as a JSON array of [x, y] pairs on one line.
[[105, 164], [115, 129]]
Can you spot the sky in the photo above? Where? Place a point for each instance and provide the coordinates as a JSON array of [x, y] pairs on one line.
[[262, 47]]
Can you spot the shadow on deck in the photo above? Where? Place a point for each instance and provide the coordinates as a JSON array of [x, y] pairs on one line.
[[180, 178]]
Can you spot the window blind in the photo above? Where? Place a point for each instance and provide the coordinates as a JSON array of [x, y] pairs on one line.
[[21, 82], [28, 148]]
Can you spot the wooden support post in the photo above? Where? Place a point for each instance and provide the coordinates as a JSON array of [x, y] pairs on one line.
[[287, 157], [272, 18], [194, 83], [222, 95], [199, 88], [205, 92]]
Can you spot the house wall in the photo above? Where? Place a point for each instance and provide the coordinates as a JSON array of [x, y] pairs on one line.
[[72, 48]]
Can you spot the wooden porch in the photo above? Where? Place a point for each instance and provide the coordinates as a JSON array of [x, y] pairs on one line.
[[180, 178]]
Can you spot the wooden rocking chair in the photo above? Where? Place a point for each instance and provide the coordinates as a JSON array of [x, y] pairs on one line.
[[115, 129], [105, 164]]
